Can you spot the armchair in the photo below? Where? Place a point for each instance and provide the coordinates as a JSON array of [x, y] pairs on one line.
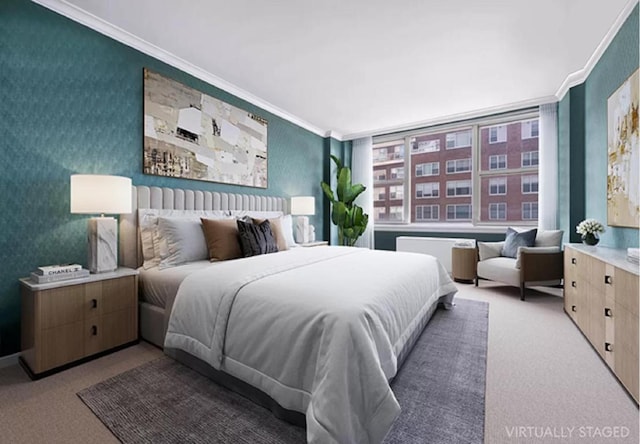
[[541, 264]]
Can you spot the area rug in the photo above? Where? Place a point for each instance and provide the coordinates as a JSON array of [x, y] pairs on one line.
[[440, 389]]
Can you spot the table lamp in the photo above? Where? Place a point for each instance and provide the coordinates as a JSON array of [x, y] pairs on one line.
[[101, 194], [303, 206]]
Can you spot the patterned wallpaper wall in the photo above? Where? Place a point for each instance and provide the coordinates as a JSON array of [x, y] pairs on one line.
[[71, 102]]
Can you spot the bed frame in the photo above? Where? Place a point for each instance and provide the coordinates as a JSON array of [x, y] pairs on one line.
[[154, 320]]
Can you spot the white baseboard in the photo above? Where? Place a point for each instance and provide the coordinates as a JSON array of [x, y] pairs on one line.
[[6, 361]]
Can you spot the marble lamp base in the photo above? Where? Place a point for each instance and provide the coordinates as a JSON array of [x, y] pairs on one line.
[[302, 230], [103, 245]]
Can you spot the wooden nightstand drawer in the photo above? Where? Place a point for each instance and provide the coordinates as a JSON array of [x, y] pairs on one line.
[[67, 321]]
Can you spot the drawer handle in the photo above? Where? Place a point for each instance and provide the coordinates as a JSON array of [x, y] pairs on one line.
[[607, 279], [573, 284], [573, 308], [94, 330], [607, 312], [574, 261], [94, 303], [608, 346]]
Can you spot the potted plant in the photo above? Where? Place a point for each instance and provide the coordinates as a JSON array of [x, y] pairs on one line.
[[345, 214], [589, 229]]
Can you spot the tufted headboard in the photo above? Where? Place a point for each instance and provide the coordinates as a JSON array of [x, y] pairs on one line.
[[143, 197]]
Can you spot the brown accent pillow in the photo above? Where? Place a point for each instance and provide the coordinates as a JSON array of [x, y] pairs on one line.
[[222, 239], [276, 228]]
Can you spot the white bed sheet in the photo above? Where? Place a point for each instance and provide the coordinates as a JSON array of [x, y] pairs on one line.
[[160, 285], [317, 329]]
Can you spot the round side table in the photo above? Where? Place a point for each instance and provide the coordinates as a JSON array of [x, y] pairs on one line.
[[463, 264]]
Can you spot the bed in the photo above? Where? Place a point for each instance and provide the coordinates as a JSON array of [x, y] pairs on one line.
[[316, 334]]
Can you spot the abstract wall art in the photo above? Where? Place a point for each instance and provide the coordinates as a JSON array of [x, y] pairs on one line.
[[623, 178], [191, 135]]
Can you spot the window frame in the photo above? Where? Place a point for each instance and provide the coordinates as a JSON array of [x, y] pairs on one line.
[[456, 182], [499, 206], [498, 193], [530, 153], [424, 164], [531, 204], [498, 167], [501, 130], [431, 207], [455, 168], [437, 186], [522, 184]]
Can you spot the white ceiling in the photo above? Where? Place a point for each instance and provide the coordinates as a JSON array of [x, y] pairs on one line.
[[356, 67]]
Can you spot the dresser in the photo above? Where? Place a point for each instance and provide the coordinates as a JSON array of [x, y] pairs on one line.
[[601, 296], [68, 322]]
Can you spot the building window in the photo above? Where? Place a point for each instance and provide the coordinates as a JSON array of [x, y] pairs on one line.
[[396, 192], [529, 159], [498, 211], [460, 139], [498, 162], [530, 129], [529, 210], [458, 188], [379, 193], [428, 169], [397, 173], [458, 166], [459, 212], [529, 184], [497, 186], [429, 189], [395, 213], [380, 213], [427, 212], [498, 134], [379, 175], [425, 146]]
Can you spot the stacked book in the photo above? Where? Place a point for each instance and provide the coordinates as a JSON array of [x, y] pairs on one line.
[[55, 273], [633, 255]]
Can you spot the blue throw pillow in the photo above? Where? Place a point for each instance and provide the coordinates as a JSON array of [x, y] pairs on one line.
[[515, 239]]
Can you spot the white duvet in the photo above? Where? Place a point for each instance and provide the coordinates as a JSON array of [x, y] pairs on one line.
[[317, 329]]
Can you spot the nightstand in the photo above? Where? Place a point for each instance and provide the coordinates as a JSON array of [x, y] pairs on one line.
[[65, 323], [463, 264], [315, 244]]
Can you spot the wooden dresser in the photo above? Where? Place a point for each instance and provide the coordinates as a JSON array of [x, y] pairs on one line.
[[67, 322], [601, 296]]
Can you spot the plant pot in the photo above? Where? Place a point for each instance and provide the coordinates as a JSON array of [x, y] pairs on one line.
[[590, 239]]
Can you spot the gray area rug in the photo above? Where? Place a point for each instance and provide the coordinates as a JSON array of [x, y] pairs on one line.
[[440, 389]]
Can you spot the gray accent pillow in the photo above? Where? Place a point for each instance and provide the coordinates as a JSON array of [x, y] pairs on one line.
[[516, 239], [256, 238]]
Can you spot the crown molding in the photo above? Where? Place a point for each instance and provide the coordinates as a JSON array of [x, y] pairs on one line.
[[452, 118], [97, 24], [580, 76]]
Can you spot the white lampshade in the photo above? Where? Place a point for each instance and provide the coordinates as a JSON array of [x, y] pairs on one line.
[[100, 194], [303, 205]]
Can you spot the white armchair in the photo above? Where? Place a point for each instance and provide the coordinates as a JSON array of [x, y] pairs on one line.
[[541, 264]]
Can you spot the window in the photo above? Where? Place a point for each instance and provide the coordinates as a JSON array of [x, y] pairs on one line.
[[379, 175], [491, 165], [459, 212], [395, 213], [428, 169], [379, 193], [458, 188], [429, 189], [460, 139], [498, 134], [397, 173], [498, 162], [529, 159], [497, 186], [380, 213], [529, 184], [498, 211], [529, 210], [427, 212], [458, 166], [425, 146], [396, 192], [530, 129]]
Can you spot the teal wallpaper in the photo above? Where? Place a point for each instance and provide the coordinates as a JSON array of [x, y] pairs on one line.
[[620, 60], [72, 103]]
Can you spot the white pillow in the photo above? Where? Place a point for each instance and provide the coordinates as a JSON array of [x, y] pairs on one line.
[[287, 230], [182, 240], [150, 237]]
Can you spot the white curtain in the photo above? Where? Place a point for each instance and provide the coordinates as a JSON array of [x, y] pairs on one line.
[[362, 172], [548, 167]]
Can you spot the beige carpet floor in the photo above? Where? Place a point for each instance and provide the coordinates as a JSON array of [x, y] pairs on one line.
[[545, 384]]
